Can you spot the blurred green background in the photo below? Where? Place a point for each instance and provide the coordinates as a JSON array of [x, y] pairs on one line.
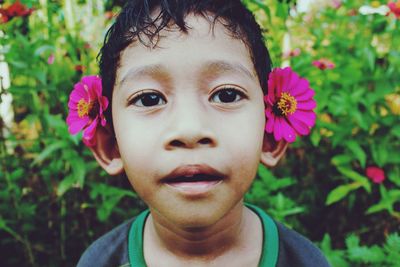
[[340, 186]]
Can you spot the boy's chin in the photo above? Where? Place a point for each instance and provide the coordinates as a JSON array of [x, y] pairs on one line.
[[194, 216]]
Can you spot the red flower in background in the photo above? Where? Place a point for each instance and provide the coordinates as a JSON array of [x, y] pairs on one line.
[[289, 105], [86, 106], [395, 8], [3, 16], [375, 174], [79, 68], [323, 64], [15, 10]]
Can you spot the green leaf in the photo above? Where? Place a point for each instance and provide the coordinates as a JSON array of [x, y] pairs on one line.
[[340, 192], [42, 49], [48, 151], [18, 173], [79, 171], [282, 10], [394, 176], [376, 208], [357, 150], [18, 64], [315, 138], [370, 56], [396, 130], [5, 227], [65, 185], [352, 241], [341, 159], [355, 176], [360, 119], [379, 154]]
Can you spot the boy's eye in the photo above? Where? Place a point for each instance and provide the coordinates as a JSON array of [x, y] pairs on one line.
[[227, 95], [147, 99]]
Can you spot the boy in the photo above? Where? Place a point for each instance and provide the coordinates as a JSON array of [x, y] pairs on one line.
[[185, 81]]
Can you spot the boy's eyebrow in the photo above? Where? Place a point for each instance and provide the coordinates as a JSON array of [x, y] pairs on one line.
[[213, 67], [153, 69], [220, 66]]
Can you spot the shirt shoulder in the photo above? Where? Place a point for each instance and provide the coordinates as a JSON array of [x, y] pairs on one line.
[[297, 251], [109, 250]]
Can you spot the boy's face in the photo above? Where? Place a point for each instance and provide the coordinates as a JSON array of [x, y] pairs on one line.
[[192, 106]]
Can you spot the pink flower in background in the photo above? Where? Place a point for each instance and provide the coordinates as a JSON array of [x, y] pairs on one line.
[[336, 4], [375, 174], [86, 106], [323, 64], [289, 105], [292, 53], [395, 8], [50, 59]]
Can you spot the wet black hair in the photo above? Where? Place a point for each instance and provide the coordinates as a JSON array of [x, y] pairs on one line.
[[137, 22]]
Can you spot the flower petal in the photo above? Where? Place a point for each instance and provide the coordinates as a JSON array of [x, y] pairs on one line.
[[268, 112], [278, 129], [300, 127], [300, 88], [288, 132], [76, 124], [307, 105], [76, 95], [293, 80], [306, 95], [269, 126], [308, 117], [89, 132]]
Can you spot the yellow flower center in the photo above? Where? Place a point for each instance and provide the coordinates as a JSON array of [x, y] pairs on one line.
[[287, 104], [84, 108]]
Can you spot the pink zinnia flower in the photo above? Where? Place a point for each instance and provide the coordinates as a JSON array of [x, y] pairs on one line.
[[336, 4], [50, 59], [86, 106], [395, 8], [289, 105], [292, 53], [323, 64], [377, 175]]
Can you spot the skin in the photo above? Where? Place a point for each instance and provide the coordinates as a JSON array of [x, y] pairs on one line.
[[191, 124]]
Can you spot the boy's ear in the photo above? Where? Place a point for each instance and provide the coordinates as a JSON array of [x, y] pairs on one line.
[[106, 151], [272, 150]]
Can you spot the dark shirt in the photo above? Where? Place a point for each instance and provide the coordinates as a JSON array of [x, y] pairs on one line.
[[117, 247]]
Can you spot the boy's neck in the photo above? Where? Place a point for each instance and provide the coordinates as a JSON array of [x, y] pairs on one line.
[[237, 231]]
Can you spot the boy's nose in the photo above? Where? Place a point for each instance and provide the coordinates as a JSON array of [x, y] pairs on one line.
[[189, 127]]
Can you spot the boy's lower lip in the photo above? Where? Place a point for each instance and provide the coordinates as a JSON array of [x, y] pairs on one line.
[[194, 188]]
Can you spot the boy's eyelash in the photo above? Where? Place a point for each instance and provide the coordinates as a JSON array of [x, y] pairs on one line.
[[140, 94], [227, 87], [137, 96]]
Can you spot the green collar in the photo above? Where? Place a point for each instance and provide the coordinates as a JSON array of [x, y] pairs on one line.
[[269, 255]]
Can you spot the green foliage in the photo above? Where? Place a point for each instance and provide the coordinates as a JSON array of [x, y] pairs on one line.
[[266, 192], [356, 254]]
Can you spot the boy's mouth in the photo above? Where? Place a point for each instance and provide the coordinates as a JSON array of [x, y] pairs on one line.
[[194, 179]]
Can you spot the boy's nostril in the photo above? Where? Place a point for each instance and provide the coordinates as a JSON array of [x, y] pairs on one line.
[[205, 141], [177, 143]]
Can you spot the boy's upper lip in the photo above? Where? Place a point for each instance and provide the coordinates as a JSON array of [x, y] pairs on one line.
[[192, 170]]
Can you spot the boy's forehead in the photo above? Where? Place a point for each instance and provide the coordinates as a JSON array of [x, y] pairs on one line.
[[209, 46]]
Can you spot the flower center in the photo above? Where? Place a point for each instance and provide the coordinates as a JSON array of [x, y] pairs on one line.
[[84, 108], [287, 104]]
